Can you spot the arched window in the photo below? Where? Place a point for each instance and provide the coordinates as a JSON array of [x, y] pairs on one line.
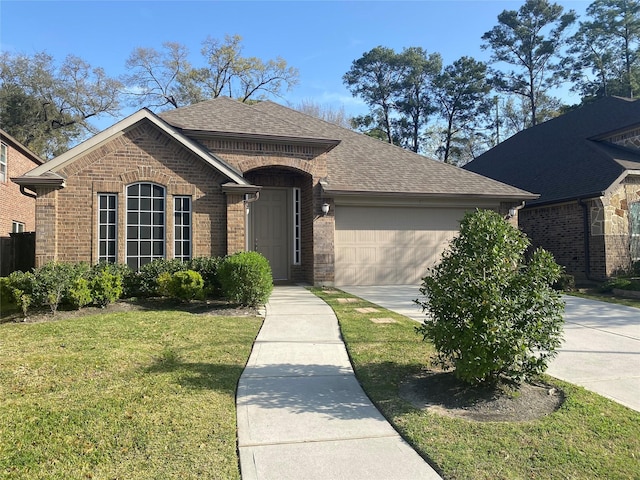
[[145, 224]]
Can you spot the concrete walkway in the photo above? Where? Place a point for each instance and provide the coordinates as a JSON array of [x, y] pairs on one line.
[[600, 349], [301, 412]]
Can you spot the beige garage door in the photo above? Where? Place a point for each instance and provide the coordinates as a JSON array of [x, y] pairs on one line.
[[390, 245]]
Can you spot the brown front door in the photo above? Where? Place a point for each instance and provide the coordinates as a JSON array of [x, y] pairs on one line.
[[270, 227]]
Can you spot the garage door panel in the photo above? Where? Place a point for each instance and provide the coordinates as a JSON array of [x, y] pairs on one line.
[[390, 245]]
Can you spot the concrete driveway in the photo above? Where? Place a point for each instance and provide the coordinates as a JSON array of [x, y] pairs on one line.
[[601, 348]]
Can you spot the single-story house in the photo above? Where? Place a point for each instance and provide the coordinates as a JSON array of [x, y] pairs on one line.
[[324, 204], [585, 165], [17, 212]]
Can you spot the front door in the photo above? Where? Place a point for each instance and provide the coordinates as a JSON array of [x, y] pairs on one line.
[[269, 232]]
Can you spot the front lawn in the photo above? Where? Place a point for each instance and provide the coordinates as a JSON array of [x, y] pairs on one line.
[[589, 437], [141, 395]]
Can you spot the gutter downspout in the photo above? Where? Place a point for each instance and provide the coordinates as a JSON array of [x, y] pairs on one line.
[[23, 191]]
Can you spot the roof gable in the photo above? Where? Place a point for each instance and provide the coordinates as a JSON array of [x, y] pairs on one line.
[[50, 168], [567, 157]]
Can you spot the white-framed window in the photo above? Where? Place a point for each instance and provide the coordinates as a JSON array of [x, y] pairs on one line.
[[107, 227], [145, 224], [297, 227], [17, 227], [3, 162], [182, 227]]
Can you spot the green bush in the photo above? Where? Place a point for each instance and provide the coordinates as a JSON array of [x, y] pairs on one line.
[[246, 278], [21, 287], [566, 283], [53, 283], [620, 283], [148, 275], [79, 293], [208, 267], [184, 285], [489, 315], [106, 283]]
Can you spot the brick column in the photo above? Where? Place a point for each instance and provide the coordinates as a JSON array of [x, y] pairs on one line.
[[46, 225], [323, 240], [237, 215]]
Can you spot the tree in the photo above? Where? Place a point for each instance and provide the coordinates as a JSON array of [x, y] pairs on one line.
[[325, 112], [415, 102], [376, 77], [157, 75], [462, 92], [490, 316], [529, 39], [607, 47], [48, 107], [167, 79]]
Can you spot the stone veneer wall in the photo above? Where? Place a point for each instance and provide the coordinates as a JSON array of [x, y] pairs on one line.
[[68, 220]]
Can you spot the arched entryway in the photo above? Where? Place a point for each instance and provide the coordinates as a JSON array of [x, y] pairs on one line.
[[280, 222]]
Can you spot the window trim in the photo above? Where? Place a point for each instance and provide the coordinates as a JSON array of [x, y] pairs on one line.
[[108, 258], [152, 226], [297, 227], [17, 227], [177, 223], [4, 162]]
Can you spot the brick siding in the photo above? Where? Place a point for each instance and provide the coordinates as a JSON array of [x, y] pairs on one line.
[[14, 206], [68, 217]]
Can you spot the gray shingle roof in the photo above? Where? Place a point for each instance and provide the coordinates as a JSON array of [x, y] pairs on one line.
[[567, 157], [357, 164]]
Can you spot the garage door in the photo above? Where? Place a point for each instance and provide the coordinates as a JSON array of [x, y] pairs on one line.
[[390, 245]]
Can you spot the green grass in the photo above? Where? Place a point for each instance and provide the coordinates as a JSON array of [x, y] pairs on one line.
[[606, 297], [142, 395], [589, 437]]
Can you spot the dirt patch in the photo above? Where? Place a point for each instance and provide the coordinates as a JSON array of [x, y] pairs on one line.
[[442, 393], [197, 307]]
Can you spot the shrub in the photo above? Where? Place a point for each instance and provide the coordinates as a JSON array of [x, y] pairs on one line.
[[20, 286], [105, 284], [208, 267], [566, 283], [488, 315], [245, 278], [184, 285], [53, 283], [620, 284], [79, 293], [149, 273]]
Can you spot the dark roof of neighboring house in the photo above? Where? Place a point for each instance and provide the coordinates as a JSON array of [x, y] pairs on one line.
[[568, 157], [356, 164], [20, 147]]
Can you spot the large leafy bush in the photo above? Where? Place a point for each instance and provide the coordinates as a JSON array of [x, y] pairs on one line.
[[246, 278], [490, 316]]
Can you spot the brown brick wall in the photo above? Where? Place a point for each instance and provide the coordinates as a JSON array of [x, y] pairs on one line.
[[560, 230], [141, 154], [14, 206]]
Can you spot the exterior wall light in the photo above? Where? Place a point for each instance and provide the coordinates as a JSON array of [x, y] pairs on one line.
[[325, 209]]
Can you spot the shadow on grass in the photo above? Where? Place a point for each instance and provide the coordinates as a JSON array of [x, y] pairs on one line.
[[201, 376]]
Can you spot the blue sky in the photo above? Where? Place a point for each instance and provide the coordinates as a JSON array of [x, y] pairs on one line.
[[320, 38]]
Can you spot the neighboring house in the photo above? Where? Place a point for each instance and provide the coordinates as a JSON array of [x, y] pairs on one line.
[[17, 212], [586, 167], [324, 204]]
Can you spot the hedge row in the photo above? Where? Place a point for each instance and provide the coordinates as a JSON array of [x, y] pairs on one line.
[[243, 278]]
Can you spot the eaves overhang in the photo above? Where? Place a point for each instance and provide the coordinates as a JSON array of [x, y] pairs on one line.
[[327, 143]]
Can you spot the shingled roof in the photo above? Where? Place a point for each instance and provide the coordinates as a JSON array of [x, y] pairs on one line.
[[568, 157], [357, 163]]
